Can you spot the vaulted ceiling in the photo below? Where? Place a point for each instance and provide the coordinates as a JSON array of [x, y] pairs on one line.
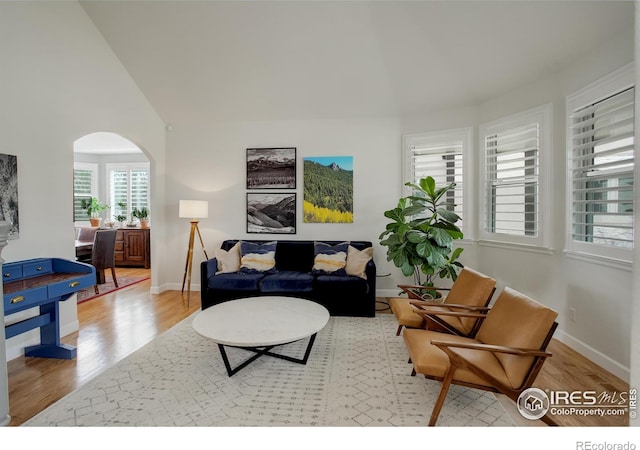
[[200, 61]]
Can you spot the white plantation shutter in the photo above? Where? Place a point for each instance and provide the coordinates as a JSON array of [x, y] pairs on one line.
[[512, 170], [601, 164], [516, 152], [128, 185], [442, 155], [139, 180], [444, 163], [84, 187]]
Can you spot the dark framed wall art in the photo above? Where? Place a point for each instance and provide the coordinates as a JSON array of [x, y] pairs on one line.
[[271, 213], [271, 168], [9, 193]]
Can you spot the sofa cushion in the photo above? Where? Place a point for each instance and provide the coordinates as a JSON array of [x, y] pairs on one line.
[[235, 281], [342, 284], [287, 281], [294, 256], [228, 261], [357, 261], [330, 259], [257, 257]]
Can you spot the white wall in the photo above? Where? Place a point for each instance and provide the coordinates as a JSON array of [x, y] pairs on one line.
[[209, 163], [60, 81]]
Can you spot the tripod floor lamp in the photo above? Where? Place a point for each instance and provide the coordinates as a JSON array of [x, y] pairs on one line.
[[194, 210]]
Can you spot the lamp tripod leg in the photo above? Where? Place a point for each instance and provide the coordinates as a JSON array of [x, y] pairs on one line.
[[189, 263], [201, 242]]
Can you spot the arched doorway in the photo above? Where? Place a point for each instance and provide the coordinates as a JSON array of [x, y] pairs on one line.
[[117, 174]]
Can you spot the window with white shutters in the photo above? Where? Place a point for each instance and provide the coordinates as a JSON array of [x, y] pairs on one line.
[[85, 182], [128, 188], [513, 150], [601, 171], [442, 155]]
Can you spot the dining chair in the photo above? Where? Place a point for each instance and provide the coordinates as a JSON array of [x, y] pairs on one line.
[[103, 255]]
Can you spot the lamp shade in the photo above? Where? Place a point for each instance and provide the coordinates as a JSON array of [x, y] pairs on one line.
[[193, 209]]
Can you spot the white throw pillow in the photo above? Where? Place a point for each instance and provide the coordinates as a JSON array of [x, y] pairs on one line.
[[228, 261], [329, 263], [357, 261]]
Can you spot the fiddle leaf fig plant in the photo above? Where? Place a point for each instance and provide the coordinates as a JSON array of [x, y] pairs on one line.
[[420, 236]]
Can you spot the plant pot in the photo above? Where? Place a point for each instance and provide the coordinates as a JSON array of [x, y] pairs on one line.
[[95, 221], [144, 223]]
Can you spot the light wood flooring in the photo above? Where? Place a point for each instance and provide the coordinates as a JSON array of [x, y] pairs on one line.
[[115, 325]]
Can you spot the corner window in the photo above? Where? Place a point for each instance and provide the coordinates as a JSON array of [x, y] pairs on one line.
[[515, 151], [445, 156], [600, 160]]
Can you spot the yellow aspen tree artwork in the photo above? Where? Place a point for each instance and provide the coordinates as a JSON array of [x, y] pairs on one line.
[[328, 189]]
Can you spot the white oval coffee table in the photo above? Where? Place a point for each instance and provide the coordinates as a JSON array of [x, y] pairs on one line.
[[259, 324]]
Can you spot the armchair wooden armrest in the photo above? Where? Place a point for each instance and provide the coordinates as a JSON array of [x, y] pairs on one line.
[[410, 290], [493, 348], [439, 312], [450, 305]]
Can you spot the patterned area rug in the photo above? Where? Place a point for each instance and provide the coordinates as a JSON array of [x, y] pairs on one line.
[[107, 287], [357, 375]]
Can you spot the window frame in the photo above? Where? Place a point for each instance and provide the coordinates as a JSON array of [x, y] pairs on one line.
[[608, 86], [94, 169], [446, 137], [543, 116], [111, 167]]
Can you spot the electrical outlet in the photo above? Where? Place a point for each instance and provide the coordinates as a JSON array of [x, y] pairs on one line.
[[572, 314]]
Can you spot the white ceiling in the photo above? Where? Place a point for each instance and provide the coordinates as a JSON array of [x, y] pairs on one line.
[[204, 61]]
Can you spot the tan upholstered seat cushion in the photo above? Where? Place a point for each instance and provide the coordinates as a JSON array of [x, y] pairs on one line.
[[518, 321], [429, 360], [404, 312]]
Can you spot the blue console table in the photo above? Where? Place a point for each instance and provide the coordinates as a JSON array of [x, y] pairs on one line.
[[43, 283]]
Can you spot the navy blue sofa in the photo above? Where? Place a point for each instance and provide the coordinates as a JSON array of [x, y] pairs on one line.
[[342, 295]]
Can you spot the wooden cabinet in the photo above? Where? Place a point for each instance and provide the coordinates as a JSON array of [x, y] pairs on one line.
[[132, 247]]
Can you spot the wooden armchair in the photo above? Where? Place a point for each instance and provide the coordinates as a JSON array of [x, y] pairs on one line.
[[471, 292], [505, 356]]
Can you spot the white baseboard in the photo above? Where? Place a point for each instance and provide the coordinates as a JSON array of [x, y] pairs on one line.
[[594, 355], [69, 328], [388, 292]]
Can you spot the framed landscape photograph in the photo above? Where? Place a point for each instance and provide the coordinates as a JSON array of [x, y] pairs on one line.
[[328, 189], [273, 213], [271, 168]]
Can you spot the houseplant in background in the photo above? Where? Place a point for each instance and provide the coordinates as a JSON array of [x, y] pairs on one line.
[[142, 215], [120, 217], [420, 236], [93, 208]]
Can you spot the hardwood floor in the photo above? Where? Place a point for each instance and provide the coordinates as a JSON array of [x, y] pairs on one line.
[[117, 324], [111, 327]]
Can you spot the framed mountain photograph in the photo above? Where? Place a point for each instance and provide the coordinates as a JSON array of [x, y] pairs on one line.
[[271, 168], [273, 213]]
